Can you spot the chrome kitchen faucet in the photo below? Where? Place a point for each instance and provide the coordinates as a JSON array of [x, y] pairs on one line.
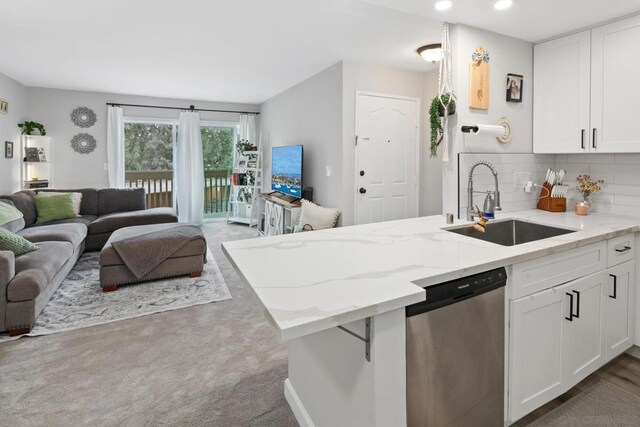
[[472, 212]]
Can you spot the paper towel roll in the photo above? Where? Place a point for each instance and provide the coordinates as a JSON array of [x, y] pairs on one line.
[[489, 130]]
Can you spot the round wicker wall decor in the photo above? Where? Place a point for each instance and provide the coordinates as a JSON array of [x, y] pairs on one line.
[[83, 143], [83, 117]]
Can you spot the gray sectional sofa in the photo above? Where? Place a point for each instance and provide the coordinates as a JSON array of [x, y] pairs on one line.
[[28, 281]]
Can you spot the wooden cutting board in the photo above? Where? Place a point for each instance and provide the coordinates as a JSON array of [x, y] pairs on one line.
[[479, 85]]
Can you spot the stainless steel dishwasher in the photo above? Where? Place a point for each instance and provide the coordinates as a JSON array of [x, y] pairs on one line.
[[455, 353]]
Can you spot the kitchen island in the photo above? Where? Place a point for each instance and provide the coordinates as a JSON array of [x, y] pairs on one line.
[[312, 283]]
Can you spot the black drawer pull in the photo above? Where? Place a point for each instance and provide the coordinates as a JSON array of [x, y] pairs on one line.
[[624, 249], [577, 315], [570, 318], [582, 139], [615, 286], [593, 141]]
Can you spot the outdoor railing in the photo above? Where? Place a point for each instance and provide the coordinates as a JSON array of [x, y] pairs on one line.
[[158, 186]]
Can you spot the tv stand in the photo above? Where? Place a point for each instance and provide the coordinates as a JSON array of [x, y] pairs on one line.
[[277, 214]]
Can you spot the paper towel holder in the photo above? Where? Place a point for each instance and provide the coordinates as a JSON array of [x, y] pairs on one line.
[[503, 121]]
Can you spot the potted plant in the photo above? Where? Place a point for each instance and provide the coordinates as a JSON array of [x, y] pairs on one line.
[[436, 115], [28, 127], [244, 145]]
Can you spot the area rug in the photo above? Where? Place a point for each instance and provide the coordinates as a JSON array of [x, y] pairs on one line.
[[602, 405], [79, 301]]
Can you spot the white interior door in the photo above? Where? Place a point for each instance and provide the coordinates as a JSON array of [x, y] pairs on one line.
[[387, 155]]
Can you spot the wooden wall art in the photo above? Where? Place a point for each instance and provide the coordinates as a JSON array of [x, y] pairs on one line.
[[479, 80]]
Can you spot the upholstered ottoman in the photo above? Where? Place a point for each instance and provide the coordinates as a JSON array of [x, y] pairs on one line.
[[149, 252]]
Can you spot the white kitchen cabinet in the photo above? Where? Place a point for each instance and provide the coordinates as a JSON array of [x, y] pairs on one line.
[[614, 106], [582, 327], [584, 98], [619, 300], [561, 95], [535, 351]]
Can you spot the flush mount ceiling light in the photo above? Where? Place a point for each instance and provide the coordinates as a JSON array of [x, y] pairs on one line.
[[502, 4], [431, 52], [443, 5]]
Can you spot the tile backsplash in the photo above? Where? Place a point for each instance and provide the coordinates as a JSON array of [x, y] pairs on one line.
[[620, 172]]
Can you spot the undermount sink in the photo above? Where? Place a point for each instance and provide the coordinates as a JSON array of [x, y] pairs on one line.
[[511, 232]]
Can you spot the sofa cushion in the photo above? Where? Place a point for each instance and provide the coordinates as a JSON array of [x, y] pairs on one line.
[[89, 203], [84, 220], [72, 233], [54, 208], [115, 221], [35, 270], [17, 244], [112, 200], [14, 225], [25, 202], [76, 198]]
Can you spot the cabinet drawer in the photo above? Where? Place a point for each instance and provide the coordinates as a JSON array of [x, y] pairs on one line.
[[542, 273], [621, 249]]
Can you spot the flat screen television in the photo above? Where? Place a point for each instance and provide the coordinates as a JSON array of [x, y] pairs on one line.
[[286, 170]]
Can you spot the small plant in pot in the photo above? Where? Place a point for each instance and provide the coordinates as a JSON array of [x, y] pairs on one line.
[[28, 127], [436, 115], [244, 145]]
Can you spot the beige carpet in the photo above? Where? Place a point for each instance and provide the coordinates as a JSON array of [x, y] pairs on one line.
[[217, 364], [603, 405]]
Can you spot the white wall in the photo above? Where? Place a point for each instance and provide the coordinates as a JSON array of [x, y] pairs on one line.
[[16, 95], [310, 114], [507, 55], [391, 81], [53, 107]]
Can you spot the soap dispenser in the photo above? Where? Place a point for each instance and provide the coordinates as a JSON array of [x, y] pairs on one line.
[[489, 208]]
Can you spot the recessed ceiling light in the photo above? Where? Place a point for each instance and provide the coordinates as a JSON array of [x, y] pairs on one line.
[[431, 52], [503, 4], [443, 5]]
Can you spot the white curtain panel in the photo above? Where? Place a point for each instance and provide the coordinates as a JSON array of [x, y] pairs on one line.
[[115, 147], [189, 170], [248, 128]]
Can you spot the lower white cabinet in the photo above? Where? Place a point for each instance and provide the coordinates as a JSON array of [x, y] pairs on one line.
[[620, 305], [557, 337]]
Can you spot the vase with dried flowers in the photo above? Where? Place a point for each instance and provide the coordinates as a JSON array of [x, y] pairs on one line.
[[586, 186]]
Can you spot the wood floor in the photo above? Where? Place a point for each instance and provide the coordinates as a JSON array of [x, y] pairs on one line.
[[623, 371]]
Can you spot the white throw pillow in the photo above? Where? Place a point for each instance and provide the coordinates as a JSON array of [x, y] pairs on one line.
[[318, 217], [76, 198]]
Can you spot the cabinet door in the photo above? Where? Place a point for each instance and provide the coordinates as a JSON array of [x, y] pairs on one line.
[[561, 95], [614, 96], [535, 363], [583, 338], [619, 298]]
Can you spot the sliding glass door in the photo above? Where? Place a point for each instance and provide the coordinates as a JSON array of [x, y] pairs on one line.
[[149, 161]]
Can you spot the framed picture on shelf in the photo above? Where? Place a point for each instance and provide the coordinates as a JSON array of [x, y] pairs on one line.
[[8, 150], [514, 87], [242, 162], [31, 154]]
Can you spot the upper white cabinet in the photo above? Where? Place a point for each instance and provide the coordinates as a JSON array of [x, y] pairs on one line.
[[561, 94], [583, 99], [614, 107]]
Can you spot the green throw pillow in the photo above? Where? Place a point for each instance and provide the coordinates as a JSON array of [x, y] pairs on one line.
[[14, 243], [53, 208], [8, 213]]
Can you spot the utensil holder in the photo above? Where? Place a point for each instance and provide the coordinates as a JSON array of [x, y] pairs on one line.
[[551, 204]]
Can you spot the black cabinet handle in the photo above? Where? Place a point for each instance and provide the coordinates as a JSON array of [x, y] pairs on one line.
[[625, 249], [593, 139], [582, 139], [570, 318], [615, 286], [577, 315]]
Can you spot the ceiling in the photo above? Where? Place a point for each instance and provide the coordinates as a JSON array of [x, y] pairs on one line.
[[246, 50], [235, 50]]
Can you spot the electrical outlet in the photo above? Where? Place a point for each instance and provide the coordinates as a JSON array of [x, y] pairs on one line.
[[106, 166], [520, 180], [328, 170]]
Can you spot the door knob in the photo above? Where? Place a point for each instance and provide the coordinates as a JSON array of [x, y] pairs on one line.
[[361, 173], [362, 190]]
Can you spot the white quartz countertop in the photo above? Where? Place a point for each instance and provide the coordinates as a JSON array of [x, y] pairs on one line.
[[309, 282]]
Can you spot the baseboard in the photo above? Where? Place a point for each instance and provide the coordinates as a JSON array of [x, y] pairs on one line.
[[301, 414], [634, 351]]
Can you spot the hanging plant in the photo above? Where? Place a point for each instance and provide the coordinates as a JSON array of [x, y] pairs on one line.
[[436, 113]]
